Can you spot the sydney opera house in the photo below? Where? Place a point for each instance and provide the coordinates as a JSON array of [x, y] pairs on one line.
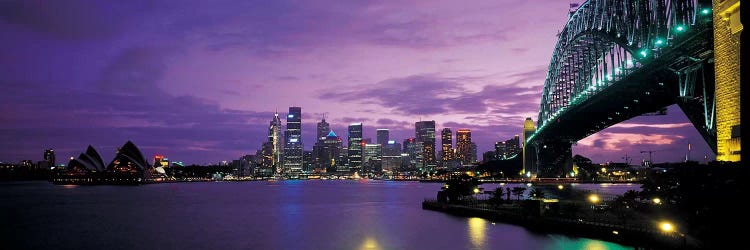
[[128, 167]]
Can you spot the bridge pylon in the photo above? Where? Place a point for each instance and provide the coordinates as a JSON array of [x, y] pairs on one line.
[[554, 158]]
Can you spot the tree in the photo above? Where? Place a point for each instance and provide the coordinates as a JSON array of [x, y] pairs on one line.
[[497, 196], [518, 191], [459, 186], [536, 193]]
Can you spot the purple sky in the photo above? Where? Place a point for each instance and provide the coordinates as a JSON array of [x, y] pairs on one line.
[[198, 81]]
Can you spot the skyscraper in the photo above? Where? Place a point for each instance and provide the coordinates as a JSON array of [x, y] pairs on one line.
[[507, 149], [473, 152], [276, 145], [425, 135], [529, 153], [446, 139], [382, 136], [328, 157], [463, 146], [372, 158], [49, 157], [355, 147], [293, 148], [322, 133], [323, 129], [410, 149], [391, 159]]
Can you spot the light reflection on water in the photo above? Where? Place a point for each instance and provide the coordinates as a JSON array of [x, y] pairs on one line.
[[477, 232], [253, 215]]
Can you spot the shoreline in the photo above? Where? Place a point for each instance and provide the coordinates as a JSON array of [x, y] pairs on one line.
[[629, 236]]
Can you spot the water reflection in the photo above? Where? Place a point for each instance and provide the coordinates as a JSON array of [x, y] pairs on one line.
[[477, 232], [370, 244]]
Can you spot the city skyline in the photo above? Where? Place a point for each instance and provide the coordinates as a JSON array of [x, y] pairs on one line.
[[200, 94]]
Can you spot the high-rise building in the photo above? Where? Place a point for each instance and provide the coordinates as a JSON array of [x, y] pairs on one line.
[[307, 161], [323, 129], [355, 147], [425, 135], [382, 136], [328, 158], [343, 165], [463, 146], [322, 133], [49, 157], [507, 149], [391, 159], [529, 153], [372, 158], [293, 147], [276, 145], [446, 139], [473, 152], [410, 148]]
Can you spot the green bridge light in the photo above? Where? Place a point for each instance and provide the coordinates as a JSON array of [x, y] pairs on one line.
[[659, 42], [680, 28], [706, 11], [644, 53]]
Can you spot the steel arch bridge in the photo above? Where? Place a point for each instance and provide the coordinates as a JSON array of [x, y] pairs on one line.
[[617, 59]]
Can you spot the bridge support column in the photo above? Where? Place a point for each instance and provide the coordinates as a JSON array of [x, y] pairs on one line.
[[554, 158]]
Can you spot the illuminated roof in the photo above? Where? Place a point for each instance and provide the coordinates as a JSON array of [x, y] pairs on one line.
[[331, 134]]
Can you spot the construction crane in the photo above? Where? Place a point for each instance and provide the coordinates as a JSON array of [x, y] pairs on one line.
[[650, 152]]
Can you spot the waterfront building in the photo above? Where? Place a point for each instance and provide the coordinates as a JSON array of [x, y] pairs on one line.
[[507, 149], [49, 157], [128, 167], [446, 139], [463, 146], [343, 164], [425, 139], [391, 159], [329, 153], [382, 136], [276, 146], [293, 146], [372, 158], [355, 146]]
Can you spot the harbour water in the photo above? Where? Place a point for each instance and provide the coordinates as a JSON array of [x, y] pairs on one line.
[[254, 215]]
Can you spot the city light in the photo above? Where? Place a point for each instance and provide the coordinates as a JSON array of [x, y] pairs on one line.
[[656, 201], [593, 198], [666, 226], [560, 187], [659, 42], [476, 190]]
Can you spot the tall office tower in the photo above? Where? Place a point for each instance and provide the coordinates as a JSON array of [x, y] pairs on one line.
[[371, 158], [355, 147], [268, 158], [293, 148], [323, 129], [410, 149], [322, 132], [382, 136], [425, 135], [49, 157], [307, 161], [446, 139], [463, 146], [507, 149], [276, 143], [391, 159], [473, 152], [328, 158], [529, 153], [343, 161]]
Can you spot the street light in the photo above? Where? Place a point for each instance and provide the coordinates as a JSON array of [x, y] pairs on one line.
[[656, 201], [594, 198], [560, 187], [476, 190], [666, 226]]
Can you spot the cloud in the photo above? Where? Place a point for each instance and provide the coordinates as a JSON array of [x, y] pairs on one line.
[[430, 95], [73, 19]]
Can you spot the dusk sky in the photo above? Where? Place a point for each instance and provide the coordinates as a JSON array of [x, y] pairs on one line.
[[199, 81]]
